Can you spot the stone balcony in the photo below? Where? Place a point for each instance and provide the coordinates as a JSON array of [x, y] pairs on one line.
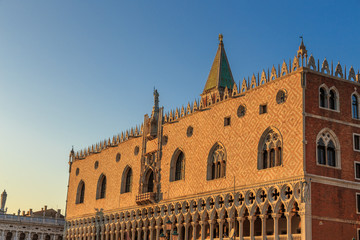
[[28, 219], [145, 198]]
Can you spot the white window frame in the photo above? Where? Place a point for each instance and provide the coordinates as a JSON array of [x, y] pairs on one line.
[[355, 171], [358, 97], [357, 207], [337, 149], [355, 134]]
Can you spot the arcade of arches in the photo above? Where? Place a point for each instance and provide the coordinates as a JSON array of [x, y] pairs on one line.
[[275, 211]]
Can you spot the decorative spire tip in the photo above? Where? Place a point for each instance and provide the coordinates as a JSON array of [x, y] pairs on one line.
[[221, 38]]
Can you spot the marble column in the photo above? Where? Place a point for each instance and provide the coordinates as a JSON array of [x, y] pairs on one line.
[[211, 224], [288, 224], [157, 232], [221, 228], [263, 226], [186, 231], [151, 233], [252, 220], [202, 224], [117, 229], [194, 229], [179, 226], [276, 225], [241, 228]]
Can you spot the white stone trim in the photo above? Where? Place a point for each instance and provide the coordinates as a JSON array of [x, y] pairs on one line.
[[356, 162], [334, 181], [333, 120], [337, 149], [355, 134]]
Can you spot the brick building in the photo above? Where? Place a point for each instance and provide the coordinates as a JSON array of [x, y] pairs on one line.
[[275, 157]]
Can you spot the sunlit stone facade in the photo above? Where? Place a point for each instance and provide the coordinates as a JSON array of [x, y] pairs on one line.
[[266, 158]]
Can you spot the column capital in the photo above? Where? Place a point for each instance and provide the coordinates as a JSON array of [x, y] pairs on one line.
[[240, 219], [275, 215], [262, 216], [211, 222], [220, 221]]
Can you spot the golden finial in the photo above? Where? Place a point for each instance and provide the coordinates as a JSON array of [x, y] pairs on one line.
[[302, 49], [221, 38]]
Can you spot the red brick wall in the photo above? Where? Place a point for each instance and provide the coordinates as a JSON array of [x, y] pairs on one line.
[[343, 131], [331, 206]]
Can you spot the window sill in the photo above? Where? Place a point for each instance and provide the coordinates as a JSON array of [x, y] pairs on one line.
[[217, 179], [270, 167], [329, 109], [125, 193], [177, 181], [327, 166]]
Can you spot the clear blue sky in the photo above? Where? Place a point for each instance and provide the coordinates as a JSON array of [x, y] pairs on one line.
[[76, 72]]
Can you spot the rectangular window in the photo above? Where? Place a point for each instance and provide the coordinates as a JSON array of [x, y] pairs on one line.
[[357, 170], [263, 109], [227, 121], [358, 234], [358, 203], [356, 142]]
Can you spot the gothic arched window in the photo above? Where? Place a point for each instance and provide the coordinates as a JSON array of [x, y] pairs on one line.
[[216, 162], [332, 100], [328, 149], [128, 181], [270, 149], [80, 195], [177, 166], [323, 97], [101, 187], [355, 106], [148, 184]]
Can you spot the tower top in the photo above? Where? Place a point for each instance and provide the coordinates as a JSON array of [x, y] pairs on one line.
[[220, 75], [302, 52]]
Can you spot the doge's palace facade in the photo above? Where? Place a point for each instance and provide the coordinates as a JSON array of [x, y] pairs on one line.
[[274, 157]]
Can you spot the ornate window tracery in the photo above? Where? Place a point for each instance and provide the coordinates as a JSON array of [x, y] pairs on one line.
[[216, 162], [270, 149], [328, 149], [328, 98]]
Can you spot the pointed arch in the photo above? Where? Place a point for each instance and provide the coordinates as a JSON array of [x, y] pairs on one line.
[[80, 194], [355, 105], [323, 96], [101, 187], [328, 149], [126, 180], [148, 181], [270, 149], [333, 98], [177, 165], [216, 165]]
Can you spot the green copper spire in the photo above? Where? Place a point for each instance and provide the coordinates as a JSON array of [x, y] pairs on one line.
[[220, 74]]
